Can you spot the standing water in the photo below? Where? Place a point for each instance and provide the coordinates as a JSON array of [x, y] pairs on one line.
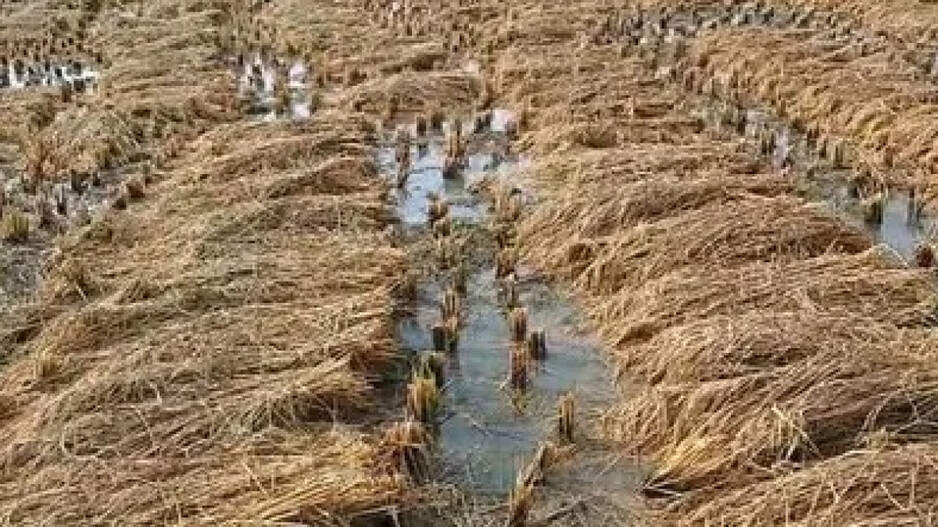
[[273, 88], [488, 432], [19, 75]]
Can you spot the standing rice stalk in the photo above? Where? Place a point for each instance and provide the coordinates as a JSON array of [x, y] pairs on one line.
[[423, 399], [565, 419], [438, 209], [518, 366], [461, 278], [924, 255], [505, 261], [537, 345], [432, 365], [15, 226], [519, 504], [451, 305], [518, 324], [405, 449]]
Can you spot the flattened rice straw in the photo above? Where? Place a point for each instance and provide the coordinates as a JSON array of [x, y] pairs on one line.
[[720, 235], [229, 322], [869, 284]]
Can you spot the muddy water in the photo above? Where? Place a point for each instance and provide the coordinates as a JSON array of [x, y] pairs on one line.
[[425, 177], [257, 85], [487, 433]]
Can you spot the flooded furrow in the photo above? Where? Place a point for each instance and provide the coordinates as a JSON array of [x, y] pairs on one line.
[[491, 423], [892, 216]]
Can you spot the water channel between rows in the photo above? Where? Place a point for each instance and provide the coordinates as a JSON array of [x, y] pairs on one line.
[[900, 228], [487, 434]]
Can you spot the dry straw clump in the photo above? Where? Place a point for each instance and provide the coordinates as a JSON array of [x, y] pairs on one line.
[[740, 344], [84, 140], [647, 162], [601, 209], [414, 91], [405, 449], [222, 492], [893, 485]]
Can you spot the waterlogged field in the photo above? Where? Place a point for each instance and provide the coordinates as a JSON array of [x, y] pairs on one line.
[[369, 262]]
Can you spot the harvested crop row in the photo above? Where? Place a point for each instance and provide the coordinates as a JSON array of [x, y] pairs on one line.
[[749, 426], [910, 22], [871, 283], [878, 485], [782, 387], [599, 210], [883, 113], [908, 25]]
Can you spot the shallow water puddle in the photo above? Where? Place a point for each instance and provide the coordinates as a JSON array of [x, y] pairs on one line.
[[80, 77], [901, 229], [487, 433], [274, 88], [426, 177]]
